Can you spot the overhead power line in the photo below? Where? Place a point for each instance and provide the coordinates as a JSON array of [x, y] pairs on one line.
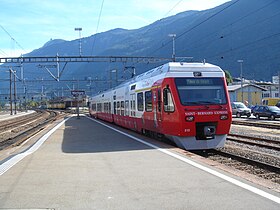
[[150, 28], [12, 38], [173, 8], [97, 27], [204, 39], [3, 52], [245, 45], [195, 26]]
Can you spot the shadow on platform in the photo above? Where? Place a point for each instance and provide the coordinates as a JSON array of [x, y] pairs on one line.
[[86, 136]]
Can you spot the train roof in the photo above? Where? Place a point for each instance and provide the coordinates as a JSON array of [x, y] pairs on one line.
[[171, 68], [176, 67]]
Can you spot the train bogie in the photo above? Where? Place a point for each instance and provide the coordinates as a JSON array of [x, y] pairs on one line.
[[186, 102]]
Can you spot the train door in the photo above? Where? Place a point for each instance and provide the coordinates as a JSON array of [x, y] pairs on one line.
[[158, 107], [132, 105], [132, 113]]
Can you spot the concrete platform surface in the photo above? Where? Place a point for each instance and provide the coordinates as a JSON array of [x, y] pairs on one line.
[[85, 165]]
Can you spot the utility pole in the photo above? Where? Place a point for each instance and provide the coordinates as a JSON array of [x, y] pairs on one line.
[[278, 84], [15, 94], [80, 40], [21, 69], [11, 102], [241, 75], [111, 78], [25, 95], [173, 45]]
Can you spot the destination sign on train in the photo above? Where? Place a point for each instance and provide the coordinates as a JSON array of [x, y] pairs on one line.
[[199, 81]]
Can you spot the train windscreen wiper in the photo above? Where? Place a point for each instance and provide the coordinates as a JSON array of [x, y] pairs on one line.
[[197, 103], [205, 102]]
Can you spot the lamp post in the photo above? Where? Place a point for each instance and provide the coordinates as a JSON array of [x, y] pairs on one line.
[[80, 40], [173, 40], [110, 74], [241, 76]]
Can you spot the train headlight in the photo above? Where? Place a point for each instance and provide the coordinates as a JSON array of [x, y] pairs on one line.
[[224, 117], [189, 118]]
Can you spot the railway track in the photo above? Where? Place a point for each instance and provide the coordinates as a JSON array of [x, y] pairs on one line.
[[248, 164], [257, 124], [254, 155], [255, 141], [19, 121], [14, 132]]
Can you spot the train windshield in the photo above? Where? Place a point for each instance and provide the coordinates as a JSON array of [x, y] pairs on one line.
[[201, 91]]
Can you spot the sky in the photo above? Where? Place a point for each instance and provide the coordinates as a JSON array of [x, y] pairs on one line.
[[26, 25]]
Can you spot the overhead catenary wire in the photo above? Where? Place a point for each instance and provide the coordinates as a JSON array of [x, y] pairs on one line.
[[195, 26], [217, 38], [173, 8], [149, 29], [192, 28], [245, 45], [12, 38], [97, 27], [2, 52]]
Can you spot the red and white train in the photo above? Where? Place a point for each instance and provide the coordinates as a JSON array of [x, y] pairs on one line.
[[186, 102]]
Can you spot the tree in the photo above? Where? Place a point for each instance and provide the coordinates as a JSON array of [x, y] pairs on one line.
[[228, 77]]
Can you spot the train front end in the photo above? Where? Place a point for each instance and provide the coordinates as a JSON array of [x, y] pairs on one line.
[[200, 115]]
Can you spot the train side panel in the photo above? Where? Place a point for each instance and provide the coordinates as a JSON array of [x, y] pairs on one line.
[[188, 103]]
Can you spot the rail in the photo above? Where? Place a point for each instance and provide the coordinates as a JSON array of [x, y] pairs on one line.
[[257, 124], [17, 136], [255, 141], [245, 164]]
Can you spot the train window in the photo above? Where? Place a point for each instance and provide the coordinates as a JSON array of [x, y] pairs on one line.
[[122, 108], [132, 104], [115, 108], [132, 87], [105, 107], [126, 107], [109, 107], [168, 101], [148, 101], [118, 107], [201, 91], [134, 107], [159, 100], [140, 102], [99, 107], [93, 107]]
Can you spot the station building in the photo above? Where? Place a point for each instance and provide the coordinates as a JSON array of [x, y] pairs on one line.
[[252, 93]]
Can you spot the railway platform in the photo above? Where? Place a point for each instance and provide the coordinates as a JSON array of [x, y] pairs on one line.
[[88, 164]]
